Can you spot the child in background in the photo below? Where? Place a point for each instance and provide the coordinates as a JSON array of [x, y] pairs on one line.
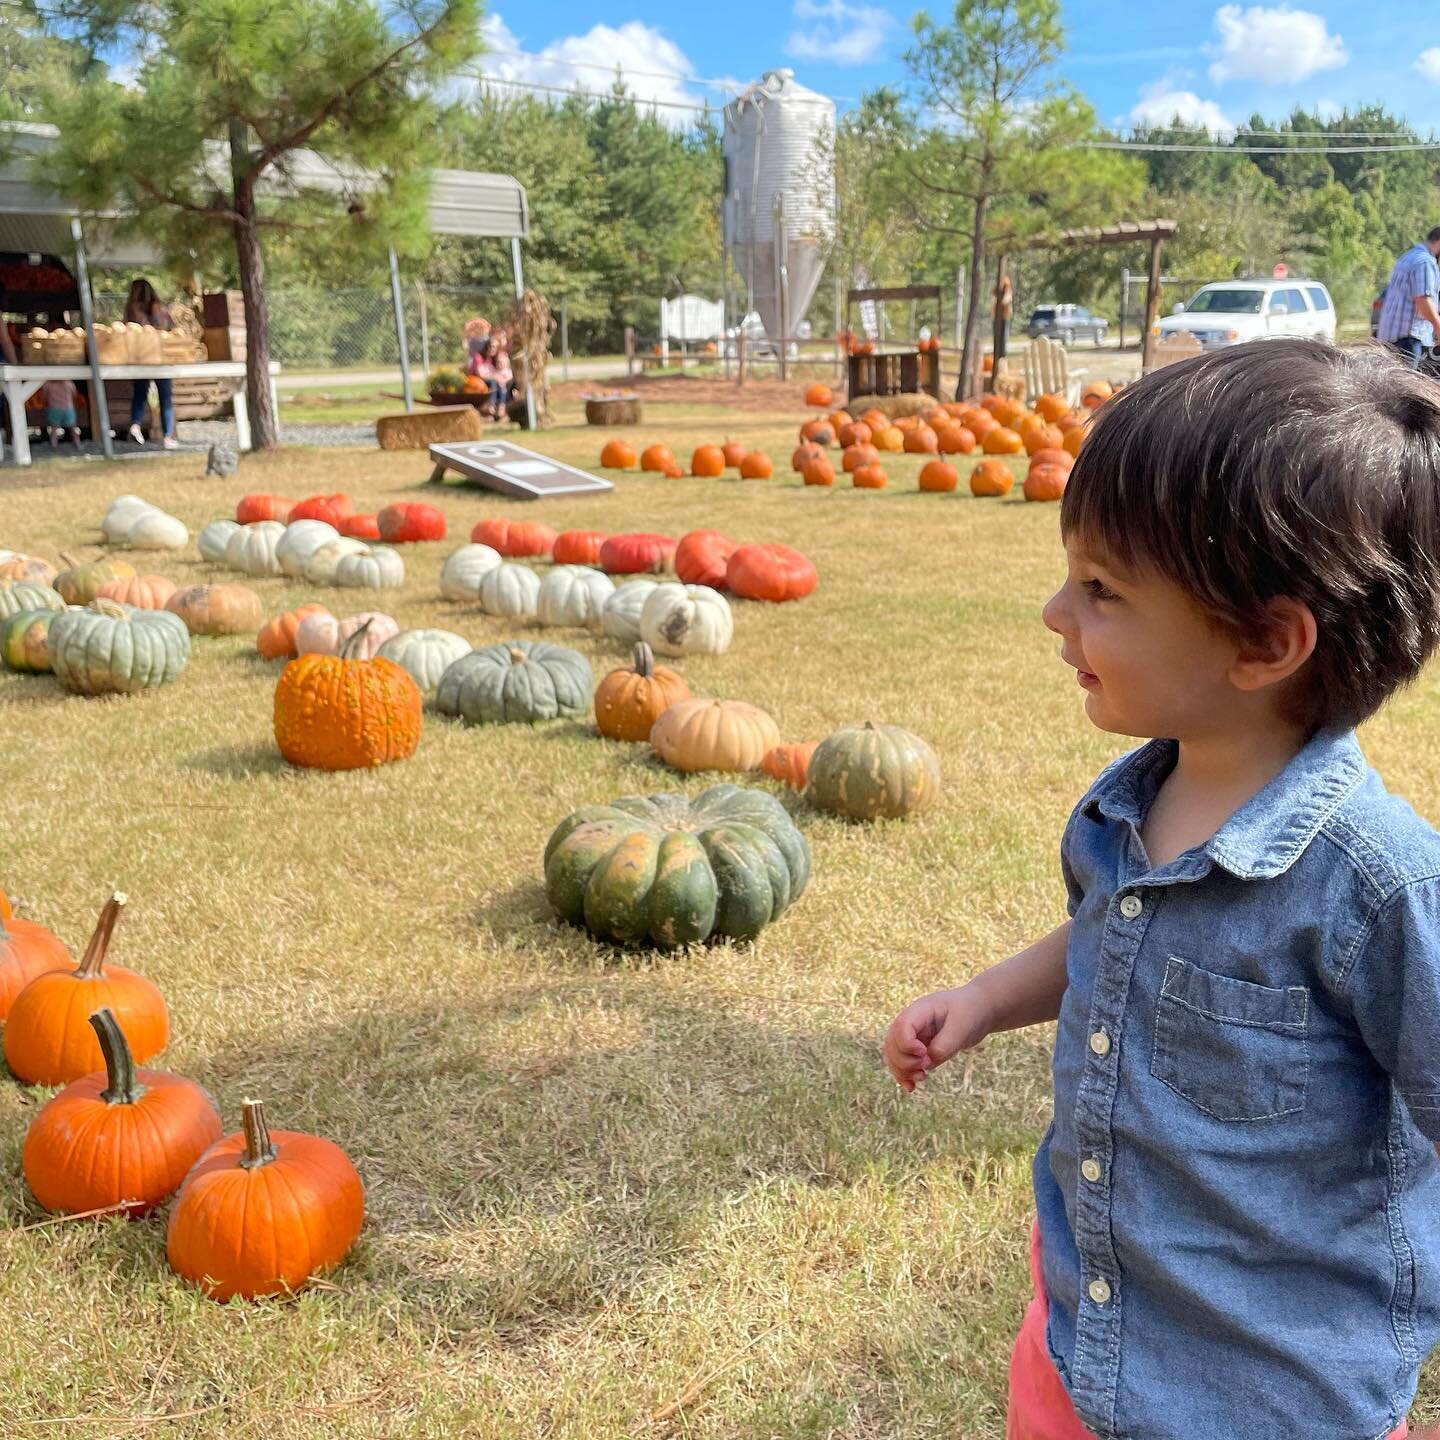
[[1238, 1198], [60, 417], [503, 375]]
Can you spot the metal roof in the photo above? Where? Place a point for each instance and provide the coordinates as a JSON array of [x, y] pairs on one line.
[[35, 218]]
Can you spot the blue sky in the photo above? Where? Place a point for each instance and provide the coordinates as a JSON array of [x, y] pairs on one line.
[[1214, 63]]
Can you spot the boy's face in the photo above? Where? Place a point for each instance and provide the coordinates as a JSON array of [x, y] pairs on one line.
[[1150, 660]]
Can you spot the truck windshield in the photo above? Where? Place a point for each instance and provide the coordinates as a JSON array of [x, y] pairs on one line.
[[1230, 302]]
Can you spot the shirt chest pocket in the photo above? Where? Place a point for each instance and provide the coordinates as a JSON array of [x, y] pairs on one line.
[[1235, 1050]]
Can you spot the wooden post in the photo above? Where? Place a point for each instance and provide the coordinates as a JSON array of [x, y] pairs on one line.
[[1000, 332], [629, 349], [1152, 307], [740, 356]]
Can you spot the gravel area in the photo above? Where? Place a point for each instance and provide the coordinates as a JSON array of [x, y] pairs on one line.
[[204, 433]]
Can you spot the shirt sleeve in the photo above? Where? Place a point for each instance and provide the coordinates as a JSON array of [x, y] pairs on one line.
[[1394, 990]]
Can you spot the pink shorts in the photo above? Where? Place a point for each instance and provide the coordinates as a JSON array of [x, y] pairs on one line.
[[1039, 1407]]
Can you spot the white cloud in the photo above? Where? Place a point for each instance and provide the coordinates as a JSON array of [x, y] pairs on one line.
[[1328, 109], [654, 68], [1278, 46], [1427, 62], [839, 31], [1163, 102]]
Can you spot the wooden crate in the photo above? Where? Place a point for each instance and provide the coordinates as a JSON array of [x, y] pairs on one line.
[[225, 342], [222, 309]]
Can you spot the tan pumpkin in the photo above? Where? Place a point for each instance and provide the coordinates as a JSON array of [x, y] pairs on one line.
[[703, 734], [217, 609], [630, 700], [144, 592]]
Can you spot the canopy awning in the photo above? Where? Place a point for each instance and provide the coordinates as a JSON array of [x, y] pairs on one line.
[[35, 218]]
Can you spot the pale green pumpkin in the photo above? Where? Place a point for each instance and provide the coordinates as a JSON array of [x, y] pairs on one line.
[[667, 870], [869, 772], [17, 595], [25, 641], [519, 680], [115, 649]]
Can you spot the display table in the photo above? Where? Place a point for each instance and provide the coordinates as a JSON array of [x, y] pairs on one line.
[[19, 382]]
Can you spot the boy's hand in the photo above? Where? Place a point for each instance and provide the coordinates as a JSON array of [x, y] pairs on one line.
[[930, 1031]]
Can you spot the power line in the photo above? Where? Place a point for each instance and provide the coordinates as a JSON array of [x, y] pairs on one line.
[[1218, 149], [588, 94], [733, 85]]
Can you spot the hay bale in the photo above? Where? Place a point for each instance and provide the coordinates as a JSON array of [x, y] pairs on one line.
[[613, 410], [897, 407], [423, 428]]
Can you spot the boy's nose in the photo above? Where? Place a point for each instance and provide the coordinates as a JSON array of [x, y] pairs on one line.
[[1055, 615]]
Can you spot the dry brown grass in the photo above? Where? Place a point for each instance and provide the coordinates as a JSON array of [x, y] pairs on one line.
[[598, 1184]]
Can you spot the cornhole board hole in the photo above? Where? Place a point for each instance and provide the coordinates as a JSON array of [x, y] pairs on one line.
[[512, 470]]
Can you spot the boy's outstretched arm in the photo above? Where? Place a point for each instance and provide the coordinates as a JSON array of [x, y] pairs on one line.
[[1023, 990]]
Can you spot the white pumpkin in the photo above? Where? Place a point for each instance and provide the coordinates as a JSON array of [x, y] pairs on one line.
[[425, 654], [323, 634], [252, 548], [686, 620], [621, 615], [573, 595], [380, 568], [155, 530], [465, 569], [124, 511], [214, 538], [300, 541], [511, 590], [322, 562]]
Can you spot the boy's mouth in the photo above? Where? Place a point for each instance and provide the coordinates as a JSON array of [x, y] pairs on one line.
[[1086, 678]]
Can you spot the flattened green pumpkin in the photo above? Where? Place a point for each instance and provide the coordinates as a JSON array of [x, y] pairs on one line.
[[17, 595], [518, 680], [869, 772], [25, 641], [666, 870], [108, 648]]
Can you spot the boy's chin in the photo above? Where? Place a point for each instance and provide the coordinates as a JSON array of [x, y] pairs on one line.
[[1104, 717]]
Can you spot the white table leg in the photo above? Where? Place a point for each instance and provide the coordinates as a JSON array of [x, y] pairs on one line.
[[242, 419], [19, 427], [275, 407]]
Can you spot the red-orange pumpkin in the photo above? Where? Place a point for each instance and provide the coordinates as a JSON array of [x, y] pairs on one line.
[[938, 475], [819, 472], [256, 507], [514, 538], [656, 458], [360, 527], [578, 547], [637, 554], [1045, 482], [869, 477], [955, 439], [707, 461], [330, 508], [921, 440], [734, 453], [701, 558], [857, 455], [409, 521], [770, 572], [857, 432], [818, 432], [1063, 458], [818, 395], [673, 470], [803, 456], [618, 455]]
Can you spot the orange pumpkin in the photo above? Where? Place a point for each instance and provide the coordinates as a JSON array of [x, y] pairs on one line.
[[263, 1211], [630, 700], [5, 911], [890, 439], [1051, 407], [145, 592], [869, 477], [1074, 439], [991, 477], [856, 456], [804, 456], [818, 395], [819, 472], [276, 640], [790, 764], [1096, 393], [875, 419], [262, 506], [702, 556], [48, 1039], [956, 440], [1045, 482], [122, 1137], [1001, 441], [906, 423], [26, 950], [756, 466], [618, 455], [1071, 421], [734, 453], [514, 539], [707, 461], [770, 572], [1043, 437], [578, 547], [922, 440], [1062, 458], [217, 609], [838, 418], [655, 458], [818, 432], [857, 432], [937, 475], [673, 470], [980, 423]]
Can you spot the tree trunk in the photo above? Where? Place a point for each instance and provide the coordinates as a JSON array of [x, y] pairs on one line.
[[969, 348], [265, 431], [1000, 331]]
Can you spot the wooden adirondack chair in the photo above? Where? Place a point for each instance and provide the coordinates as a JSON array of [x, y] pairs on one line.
[[1048, 370], [1178, 345]]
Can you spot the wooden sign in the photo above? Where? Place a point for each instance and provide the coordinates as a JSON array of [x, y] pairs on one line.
[[512, 470]]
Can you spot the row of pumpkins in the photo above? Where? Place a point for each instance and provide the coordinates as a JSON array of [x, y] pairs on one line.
[[255, 1213]]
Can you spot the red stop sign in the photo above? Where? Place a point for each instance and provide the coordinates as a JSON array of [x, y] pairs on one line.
[[1281, 270]]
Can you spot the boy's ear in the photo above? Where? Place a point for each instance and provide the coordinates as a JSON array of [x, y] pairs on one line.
[[1278, 648]]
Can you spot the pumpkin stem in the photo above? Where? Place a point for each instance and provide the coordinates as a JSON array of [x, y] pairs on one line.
[[92, 963], [70, 561], [347, 650], [103, 605], [121, 1087], [644, 660], [517, 656], [259, 1149]]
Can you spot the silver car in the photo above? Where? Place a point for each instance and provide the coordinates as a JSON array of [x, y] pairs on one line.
[[1066, 323]]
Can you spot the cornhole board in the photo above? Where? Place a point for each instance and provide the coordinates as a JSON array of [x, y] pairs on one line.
[[512, 470]]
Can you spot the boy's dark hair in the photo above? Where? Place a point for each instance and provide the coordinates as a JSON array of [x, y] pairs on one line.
[[1282, 467]]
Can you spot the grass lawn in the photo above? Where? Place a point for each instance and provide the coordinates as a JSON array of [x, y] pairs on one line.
[[609, 1195]]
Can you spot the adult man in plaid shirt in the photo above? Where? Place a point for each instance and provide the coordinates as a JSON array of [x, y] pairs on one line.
[[1408, 317]]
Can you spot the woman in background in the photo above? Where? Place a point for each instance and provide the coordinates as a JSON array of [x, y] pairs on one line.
[[143, 307]]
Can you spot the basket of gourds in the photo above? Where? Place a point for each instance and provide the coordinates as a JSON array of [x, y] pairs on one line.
[[64, 347], [144, 344], [112, 344]]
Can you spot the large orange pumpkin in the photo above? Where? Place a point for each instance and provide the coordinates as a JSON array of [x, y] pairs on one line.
[[122, 1137], [1062, 458], [819, 472], [803, 456], [332, 509], [618, 455], [1001, 441], [819, 432], [276, 640], [857, 432], [1043, 437], [875, 419], [819, 395], [790, 764], [770, 572], [656, 458], [857, 455], [48, 1039], [1073, 440], [1045, 482], [991, 477], [707, 461], [514, 538], [922, 440], [956, 440], [253, 508], [756, 466], [26, 950], [889, 438], [630, 700], [578, 547], [338, 712], [1096, 393], [263, 1211], [1051, 407], [869, 477], [937, 475], [702, 556]]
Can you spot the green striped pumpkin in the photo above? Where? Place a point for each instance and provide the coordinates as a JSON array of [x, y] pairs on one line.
[[666, 870], [25, 641], [870, 772], [17, 595], [519, 680], [108, 648]]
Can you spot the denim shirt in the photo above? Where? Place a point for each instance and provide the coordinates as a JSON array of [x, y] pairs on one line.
[[1239, 1197]]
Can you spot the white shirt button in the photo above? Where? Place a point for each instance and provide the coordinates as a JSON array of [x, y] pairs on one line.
[[1100, 1043], [1090, 1169], [1131, 906], [1099, 1292]]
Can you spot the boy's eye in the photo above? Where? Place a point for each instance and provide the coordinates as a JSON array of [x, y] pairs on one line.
[[1098, 590]]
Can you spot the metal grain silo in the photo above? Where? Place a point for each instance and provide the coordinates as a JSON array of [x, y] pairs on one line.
[[779, 207]]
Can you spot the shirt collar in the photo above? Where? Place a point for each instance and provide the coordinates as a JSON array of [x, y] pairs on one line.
[[1270, 831]]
